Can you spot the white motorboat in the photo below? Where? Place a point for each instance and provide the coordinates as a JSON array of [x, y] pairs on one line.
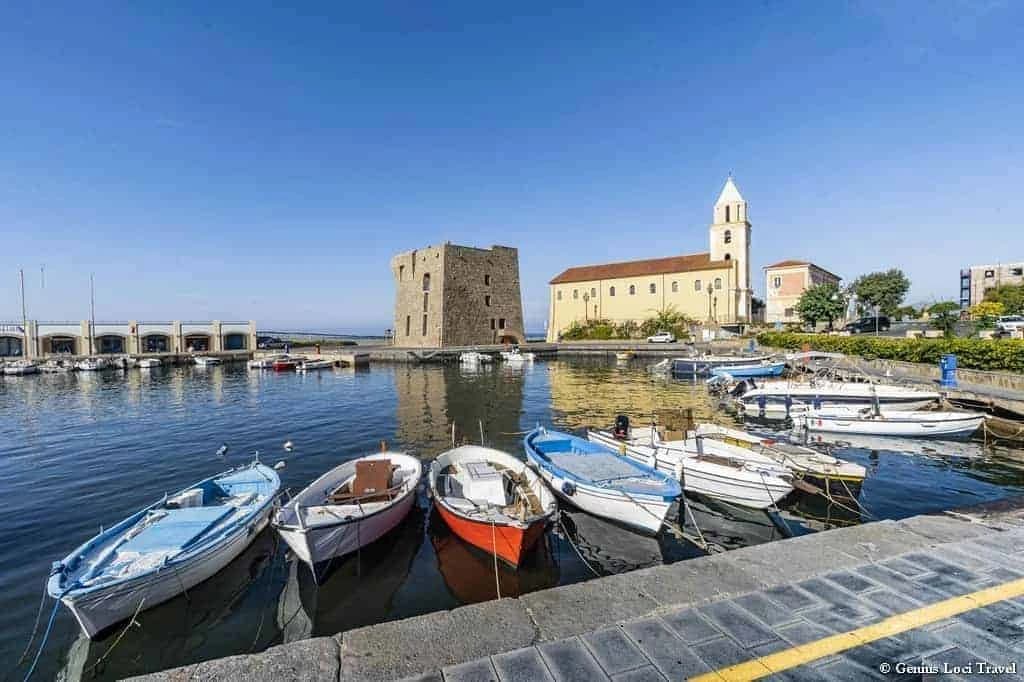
[[350, 506], [314, 365], [598, 480], [706, 466], [514, 356], [166, 548], [702, 365], [206, 360], [474, 358], [265, 362], [149, 363], [20, 368], [870, 421], [91, 364], [803, 462], [776, 398], [56, 366]]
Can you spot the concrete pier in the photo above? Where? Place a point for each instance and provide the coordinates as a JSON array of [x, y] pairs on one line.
[[945, 589]]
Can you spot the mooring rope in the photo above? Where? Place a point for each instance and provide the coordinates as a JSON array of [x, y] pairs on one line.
[[266, 598], [42, 644], [35, 629], [577, 549], [132, 621], [494, 544]]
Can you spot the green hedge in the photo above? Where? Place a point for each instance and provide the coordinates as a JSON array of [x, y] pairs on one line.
[[995, 354]]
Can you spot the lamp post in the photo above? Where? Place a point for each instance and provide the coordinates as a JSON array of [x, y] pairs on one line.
[[586, 308], [710, 290]]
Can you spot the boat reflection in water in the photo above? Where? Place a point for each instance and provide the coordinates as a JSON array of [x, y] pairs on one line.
[[354, 590], [468, 572], [215, 615]]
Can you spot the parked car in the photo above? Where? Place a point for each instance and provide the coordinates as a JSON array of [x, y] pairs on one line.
[[1007, 324], [868, 324], [662, 337]]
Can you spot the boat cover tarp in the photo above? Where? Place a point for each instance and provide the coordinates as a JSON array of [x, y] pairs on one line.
[[176, 530]]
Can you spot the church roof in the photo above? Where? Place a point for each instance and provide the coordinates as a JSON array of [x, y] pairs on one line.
[[730, 194], [641, 268]]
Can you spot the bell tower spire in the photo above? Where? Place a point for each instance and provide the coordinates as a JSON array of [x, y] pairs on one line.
[[730, 241]]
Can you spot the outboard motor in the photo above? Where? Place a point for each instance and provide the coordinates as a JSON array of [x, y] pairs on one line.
[[621, 431], [739, 389]]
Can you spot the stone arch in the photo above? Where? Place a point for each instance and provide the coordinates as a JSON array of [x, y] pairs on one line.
[[156, 342], [11, 346], [58, 344], [198, 342], [110, 344], [236, 341]]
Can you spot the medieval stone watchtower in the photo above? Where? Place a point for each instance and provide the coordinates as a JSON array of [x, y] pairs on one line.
[[450, 295]]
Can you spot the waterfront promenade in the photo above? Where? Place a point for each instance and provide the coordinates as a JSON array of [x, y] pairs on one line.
[[852, 603]]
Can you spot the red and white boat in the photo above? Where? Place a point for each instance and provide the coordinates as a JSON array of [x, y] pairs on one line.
[[286, 364], [491, 500]]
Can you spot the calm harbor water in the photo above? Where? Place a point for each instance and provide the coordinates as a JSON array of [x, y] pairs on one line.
[[81, 450]]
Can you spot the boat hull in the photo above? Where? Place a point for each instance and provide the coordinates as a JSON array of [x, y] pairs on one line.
[[962, 427], [509, 543], [97, 610], [704, 366], [640, 513], [321, 543], [774, 369]]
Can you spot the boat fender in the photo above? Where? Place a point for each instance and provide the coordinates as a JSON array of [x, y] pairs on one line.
[[816, 403], [57, 568], [568, 488], [762, 402]]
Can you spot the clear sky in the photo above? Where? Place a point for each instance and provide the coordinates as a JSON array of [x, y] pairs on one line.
[[236, 161]]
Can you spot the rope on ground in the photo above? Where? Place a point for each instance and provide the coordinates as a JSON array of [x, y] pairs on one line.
[[577, 549], [494, 545], [131, 622]]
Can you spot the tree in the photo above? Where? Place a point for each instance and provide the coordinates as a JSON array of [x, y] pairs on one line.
[[668, 319], [907, 312], [985, 313], [821, 302], [944, 316], [1010, 295], [884, 290]]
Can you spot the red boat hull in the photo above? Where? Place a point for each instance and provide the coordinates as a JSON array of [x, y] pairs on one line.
[[508, 542], [285, 366]]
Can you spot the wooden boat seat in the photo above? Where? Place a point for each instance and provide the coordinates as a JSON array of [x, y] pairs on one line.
[[372, 483]]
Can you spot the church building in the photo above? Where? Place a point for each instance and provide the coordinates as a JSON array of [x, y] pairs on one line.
[[713, 286]]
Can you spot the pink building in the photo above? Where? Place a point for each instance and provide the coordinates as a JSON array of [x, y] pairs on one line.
[[785, 282]]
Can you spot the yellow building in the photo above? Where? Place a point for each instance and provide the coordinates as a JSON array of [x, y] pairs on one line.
[[712, 286]]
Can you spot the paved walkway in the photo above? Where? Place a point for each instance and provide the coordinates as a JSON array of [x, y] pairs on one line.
[[838, 605]]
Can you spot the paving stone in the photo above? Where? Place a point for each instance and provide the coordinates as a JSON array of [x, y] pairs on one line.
[[524, 665], [803, 632], [842, 669], [889, 650], [737, 623], [972, 639], [426, 677], [954, 657], [1007, 541], [1004, 575], [479, 670], [941, 567], [688, 583], [801, 674], [801, 557], [944, 528], [691, 626], [947, 585], [990, 555], [902, 585], [309, 660], [570, 661], [972, 562], [920, 642], [904, 567], [646, 674], [721, 653], [839, 617], [998, 621], [792, 598], [614, 650], [826, 591], [673, 658], [767, 611], [850, 581], [888, 603]]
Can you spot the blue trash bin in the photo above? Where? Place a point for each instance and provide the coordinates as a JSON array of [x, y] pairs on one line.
[[947, 365]]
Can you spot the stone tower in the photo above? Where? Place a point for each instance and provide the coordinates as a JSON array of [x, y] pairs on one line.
[[730, 241], [449, 295]]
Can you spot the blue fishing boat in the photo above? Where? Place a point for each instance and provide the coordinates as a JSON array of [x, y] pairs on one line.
[[166, 548], [752, 369], [703, 365], [601, 481]]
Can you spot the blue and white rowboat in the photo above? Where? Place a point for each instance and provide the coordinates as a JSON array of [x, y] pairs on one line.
[[159, 552], [752, 369], [600, 481]]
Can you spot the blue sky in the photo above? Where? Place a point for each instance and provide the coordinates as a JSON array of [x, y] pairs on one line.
[[242, 161]]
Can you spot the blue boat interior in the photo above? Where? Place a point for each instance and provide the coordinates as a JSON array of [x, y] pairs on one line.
[[174, 526], [593, 463]]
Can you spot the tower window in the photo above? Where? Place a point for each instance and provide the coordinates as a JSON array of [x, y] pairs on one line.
[[728, 257], [425, 297], [726, 214], [727, 237], [487, 280], [595, 311], [408, 322], [558, 294], [575, 293], [501, 323], [777, 282], [593, 292], [675, 287], [654, 288], [487, 300], [611, 291], [426, 281], [401, 272], [492, 323], [632, 290], [718, 282], [424, 325], [696, 285]]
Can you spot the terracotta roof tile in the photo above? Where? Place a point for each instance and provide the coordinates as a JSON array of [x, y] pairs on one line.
[[796, 263], [640, 268]]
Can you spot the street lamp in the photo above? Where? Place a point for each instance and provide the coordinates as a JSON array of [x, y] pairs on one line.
[[711, 290], [586, 308]]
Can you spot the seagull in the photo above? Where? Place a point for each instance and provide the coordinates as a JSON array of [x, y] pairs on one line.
[[288, 445], [280, 465], [222, 450]]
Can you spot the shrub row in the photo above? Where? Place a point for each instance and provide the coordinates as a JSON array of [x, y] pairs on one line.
[[994, 354]]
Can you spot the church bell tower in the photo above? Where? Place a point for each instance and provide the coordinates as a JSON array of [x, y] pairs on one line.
[[730, 241]]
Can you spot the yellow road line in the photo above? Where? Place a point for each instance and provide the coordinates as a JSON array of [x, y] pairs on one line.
[[828, 646]]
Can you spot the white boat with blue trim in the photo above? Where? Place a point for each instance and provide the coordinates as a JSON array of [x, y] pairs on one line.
[[869, 421], [159, 552], [600, 481]]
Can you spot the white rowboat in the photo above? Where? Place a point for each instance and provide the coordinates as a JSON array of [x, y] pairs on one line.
[[885, 422], [776, 398]]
